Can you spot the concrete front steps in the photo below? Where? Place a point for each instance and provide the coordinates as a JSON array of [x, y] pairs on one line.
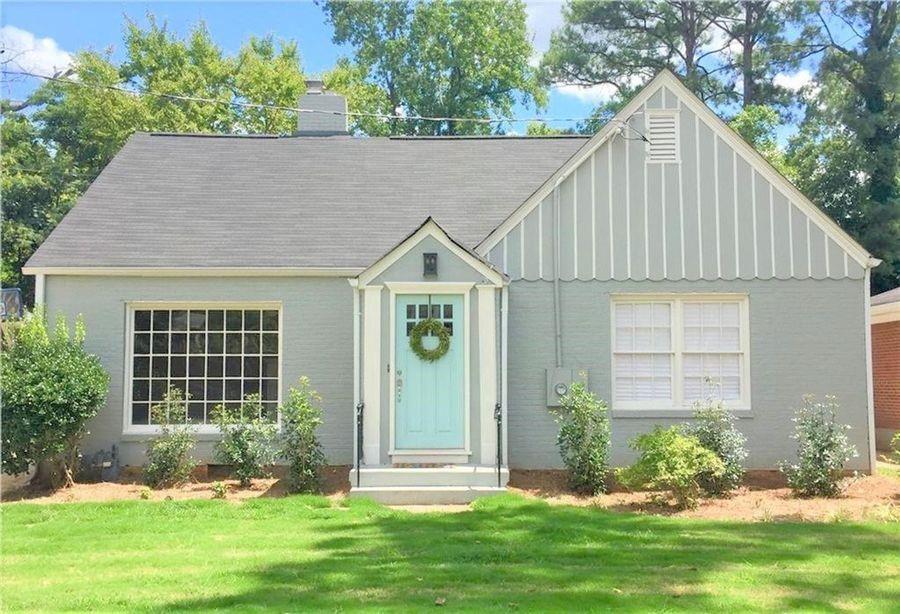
[[427, 485]]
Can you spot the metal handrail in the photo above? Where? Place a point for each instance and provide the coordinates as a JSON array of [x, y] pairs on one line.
[[359, 437], [498, 416]]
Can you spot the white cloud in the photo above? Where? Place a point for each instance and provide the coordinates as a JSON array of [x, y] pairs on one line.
[[23, 51], [593, 94], [543, 18], [795, 81]]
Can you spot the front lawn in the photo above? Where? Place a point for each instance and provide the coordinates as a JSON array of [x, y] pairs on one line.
[[301, 553]]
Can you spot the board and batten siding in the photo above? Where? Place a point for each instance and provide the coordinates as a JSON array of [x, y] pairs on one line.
[[709, 215]]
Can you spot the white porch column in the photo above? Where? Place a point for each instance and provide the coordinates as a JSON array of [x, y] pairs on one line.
[[372, 375], [39, 284], [487, 372]]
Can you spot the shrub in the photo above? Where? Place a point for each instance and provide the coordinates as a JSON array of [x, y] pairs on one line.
[[583, 439], [145, 493], [300, 417], [50, 388], [671, 461], [248, 441], [895, 447], [823, 448], [714, 428], [169, 461], [219, 490]]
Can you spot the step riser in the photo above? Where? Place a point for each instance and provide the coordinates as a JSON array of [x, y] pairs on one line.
[[369, 478], [446, 496]]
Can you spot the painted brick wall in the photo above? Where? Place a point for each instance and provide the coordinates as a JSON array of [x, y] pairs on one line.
[[886, 373]]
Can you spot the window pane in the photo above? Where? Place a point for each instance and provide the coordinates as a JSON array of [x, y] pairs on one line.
[[270, 320], [179, 320], [251, 386], [160, 343], [195, 412], [214, 390], [251, 343], [215, 343], [270, 343], [233, 320], [142, 343], [160, 320], [142, 320], [140, 413], [215, 319], [140, 390], [178, 366], [233, 343], [251, 366], [251, 320], [197, 389], [410, 312], [233, 389], [198, 343], [197, 366], [270, 366], [233, 366], [624, 314], [158, 389], [198, 320], [214, 366], [270, 389], [160, 366], [141, 367], [179, 343]]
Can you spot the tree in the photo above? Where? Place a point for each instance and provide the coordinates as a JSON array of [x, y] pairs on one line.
[[852, 134], [59, 139], [446, 58], [624, 44], [757, 29], [51, 387], [757, 125]]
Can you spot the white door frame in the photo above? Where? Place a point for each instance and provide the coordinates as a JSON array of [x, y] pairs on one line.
[[463, 288]]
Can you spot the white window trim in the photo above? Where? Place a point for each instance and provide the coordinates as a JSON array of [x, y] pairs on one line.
[[676, 300], [131, 306]]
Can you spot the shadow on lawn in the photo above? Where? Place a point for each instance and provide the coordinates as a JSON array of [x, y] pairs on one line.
[[511, 552]]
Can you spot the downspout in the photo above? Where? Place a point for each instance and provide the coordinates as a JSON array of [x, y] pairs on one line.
[[556, 252], [870, 392]]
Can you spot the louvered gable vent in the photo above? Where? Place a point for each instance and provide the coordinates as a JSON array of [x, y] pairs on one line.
[[663, 135]]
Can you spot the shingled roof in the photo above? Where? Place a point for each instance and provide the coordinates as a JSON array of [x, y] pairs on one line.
[[212, 201]]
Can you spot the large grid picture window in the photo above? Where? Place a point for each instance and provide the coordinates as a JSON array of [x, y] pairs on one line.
[[214, 356], [673, 351]]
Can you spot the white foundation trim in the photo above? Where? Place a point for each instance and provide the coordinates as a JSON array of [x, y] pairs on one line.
[[40, 284], [487, 371], [870, 391], [372, 376]]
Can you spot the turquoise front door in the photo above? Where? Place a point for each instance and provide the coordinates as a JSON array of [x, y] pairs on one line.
[[429, 395]]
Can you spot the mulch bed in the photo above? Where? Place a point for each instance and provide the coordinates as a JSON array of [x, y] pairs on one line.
[[763, 498]]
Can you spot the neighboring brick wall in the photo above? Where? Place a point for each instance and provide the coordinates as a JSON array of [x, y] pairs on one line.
[[886, 374]]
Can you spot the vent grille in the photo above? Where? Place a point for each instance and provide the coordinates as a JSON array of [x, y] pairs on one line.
[[663, 135]]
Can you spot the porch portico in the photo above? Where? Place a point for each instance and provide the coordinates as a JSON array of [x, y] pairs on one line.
[[430, 421]]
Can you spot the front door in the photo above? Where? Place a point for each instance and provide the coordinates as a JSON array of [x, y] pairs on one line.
[[429, 395]]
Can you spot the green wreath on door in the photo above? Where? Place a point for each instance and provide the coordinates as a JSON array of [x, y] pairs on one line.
[[429, 326]]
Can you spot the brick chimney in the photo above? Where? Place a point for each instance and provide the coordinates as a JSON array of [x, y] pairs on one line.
[[321, 124]]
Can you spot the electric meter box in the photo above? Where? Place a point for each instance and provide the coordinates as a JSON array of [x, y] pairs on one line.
[[559, 380]]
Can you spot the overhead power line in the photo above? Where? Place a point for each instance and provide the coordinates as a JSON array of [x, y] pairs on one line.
[[298, 110]]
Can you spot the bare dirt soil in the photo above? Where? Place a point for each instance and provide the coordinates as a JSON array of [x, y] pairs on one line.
[[764, 497]]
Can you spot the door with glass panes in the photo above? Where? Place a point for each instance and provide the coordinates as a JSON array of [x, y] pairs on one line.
[[429, 396]]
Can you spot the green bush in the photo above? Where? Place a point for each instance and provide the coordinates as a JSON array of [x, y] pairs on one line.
[[219, 489], [671, 461], [823, 448], [583, 439], [169, 461], [895, 447], [300, 417], [714, 428], [249, 442], [50, 388]]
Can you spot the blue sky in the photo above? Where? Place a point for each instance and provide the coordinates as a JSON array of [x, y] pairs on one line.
[[49, 31]]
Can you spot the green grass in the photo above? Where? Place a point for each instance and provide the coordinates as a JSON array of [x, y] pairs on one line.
[[299, 553]]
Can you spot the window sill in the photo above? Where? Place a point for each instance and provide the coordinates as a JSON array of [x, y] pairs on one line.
[[663, 412], [145, 434]]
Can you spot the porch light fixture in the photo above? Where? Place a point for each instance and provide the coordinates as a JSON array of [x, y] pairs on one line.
[[429, 264]]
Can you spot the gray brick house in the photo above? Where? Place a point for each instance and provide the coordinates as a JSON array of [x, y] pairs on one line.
[[663, 259]]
